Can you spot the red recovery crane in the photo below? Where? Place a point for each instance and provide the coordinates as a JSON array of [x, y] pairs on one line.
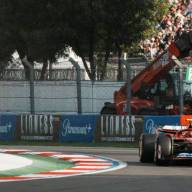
[[147, 86]]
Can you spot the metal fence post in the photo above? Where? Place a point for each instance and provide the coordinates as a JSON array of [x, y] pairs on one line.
[[129, 95], [32, 98], [181, 103], [78, 80], [128, 81]]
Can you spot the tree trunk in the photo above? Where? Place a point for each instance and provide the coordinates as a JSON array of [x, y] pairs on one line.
[[92, 43], [27, 72], [91, 54], [92, 65], [44, 70], [104, 68], [27, 69], [80, 53], [22, 55], [120, 71], [85, 64]]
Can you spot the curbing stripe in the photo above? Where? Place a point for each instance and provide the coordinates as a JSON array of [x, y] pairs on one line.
[[83, 164], [86, 160]]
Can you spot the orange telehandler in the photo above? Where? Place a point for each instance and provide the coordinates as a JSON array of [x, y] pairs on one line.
[[154, 90]]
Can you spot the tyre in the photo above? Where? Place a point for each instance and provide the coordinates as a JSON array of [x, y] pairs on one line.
[[163, 150], [146, 148], [108, 109], [147, 112]]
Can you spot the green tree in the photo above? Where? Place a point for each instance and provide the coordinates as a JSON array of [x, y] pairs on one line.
[[33, 29], [102, 27], [41, 30], [130, 22]]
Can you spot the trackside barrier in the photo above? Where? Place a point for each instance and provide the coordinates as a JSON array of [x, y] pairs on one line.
[[184, 119], [7, 127], [118, 128], [48, 127], [153, 122], [38, 127], [82, 128], [77, 128]]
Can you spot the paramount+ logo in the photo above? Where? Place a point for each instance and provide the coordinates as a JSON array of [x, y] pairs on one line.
[[68, 129]]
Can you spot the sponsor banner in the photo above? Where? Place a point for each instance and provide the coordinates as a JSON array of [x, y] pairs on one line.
[[119, 128], [186, 120], [153, 122], [79, 128], [38, 127], [7, 127]]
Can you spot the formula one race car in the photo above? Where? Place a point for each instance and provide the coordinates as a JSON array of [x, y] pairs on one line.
[[168, 143]]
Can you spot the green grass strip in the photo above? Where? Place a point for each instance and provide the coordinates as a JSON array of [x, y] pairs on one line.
[[40, 164], [51, 143]]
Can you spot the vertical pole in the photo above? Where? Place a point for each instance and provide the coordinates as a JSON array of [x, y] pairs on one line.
[[181, 104], [128, 88], [32, 91], [179, 64], [32, 97], [78, 80], [128, 82], [50, 69]]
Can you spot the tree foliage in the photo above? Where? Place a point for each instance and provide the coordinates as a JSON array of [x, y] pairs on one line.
[[41, 30]]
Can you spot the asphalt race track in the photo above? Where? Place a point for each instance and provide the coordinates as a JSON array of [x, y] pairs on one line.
[[136, 177]]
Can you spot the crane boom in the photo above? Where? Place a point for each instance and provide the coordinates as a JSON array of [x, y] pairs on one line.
[[148, 77]]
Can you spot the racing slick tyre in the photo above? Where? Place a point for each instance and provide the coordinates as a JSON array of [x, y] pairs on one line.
[[110, 109], [146, 148], [163, 150]]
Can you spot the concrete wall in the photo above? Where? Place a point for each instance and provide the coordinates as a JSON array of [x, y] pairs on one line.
[[56, 96]]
